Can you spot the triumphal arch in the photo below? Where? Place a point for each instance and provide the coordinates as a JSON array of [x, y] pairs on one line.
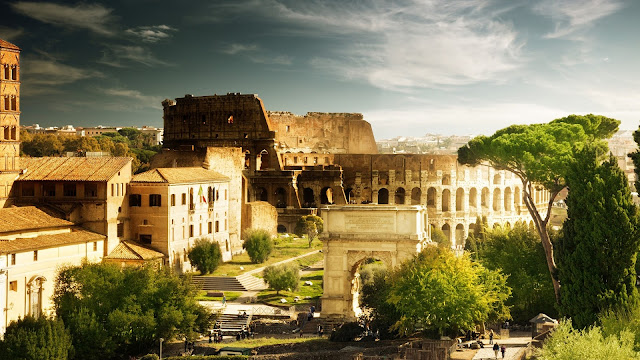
[[355, 233]]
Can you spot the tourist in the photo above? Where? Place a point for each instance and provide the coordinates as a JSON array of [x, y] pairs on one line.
[[224, 299], [491, 337], [503, 349], [496, 349]]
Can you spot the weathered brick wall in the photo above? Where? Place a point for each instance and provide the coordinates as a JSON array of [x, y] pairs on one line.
[[259, 215]]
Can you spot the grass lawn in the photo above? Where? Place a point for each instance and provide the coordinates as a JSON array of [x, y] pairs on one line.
[[231, 295], [313, 292], [253, 343], [284, 248]]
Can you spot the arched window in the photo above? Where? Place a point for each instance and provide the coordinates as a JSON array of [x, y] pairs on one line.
[[308, 198], [473, 198], [446, 179], [383, 196], [460, 235], [496, 199], [446, 200], [484, 198], [281, 198], [460, 199], [399, 197], [34, 290], [264, 160], [446, 229], [326, 196], [416, 194], [262, 194], [431, 197], [507, 199]]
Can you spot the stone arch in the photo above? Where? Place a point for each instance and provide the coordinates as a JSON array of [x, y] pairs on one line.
[[472, 228], [446, 200], [496, 179], [354, 260], [446, 179], [365, 196], [263, 160], [326, 196], [416, 194], [349, 194], [508, 200], [262, 194], [473, 198], [399, 197], [383, 196], [496, 199], [517, 198], [383, 177], [431, 197], [459, 235], [460, 200], [281, 197], [446, 229], [308, 198], [282, 228], [484, 198]]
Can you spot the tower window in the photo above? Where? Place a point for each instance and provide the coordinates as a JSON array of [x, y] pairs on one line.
[[14, 73]]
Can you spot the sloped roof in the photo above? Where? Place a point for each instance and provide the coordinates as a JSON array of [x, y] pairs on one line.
[[7, 45], [28, 218], [183, 175], [127, 250], [48, 241], [543, 319], [71, 168]]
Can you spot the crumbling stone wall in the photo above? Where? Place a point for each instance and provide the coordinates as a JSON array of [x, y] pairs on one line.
[[259, 215]]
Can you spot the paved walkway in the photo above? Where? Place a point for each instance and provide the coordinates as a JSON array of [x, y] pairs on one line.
[[513, 344]]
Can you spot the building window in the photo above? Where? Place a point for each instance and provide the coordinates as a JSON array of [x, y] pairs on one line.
[[13, 259], [173, 199], [190, 230], [217, 195], [6, 72], [95, 246], [225, 194], [113, 190], [287, 128], [200, 226], [210, 226], [225, 224], [69, 189], [13, 285], [90, 190], [184, 198], [155, 200], [135, 200], [210, 193], [185, 254], [217, 226], [120, 230], [35, 255], [145, 239], [49, 189], [14, 73], [28, 189]]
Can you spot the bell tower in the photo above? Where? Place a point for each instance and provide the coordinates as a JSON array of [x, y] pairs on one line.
[[9, 117]]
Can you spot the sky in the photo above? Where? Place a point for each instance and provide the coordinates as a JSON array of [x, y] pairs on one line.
[[410, 66]]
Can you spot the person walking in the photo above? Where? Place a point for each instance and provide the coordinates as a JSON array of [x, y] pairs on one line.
[[491, 337], [503, 349], [496, 349]]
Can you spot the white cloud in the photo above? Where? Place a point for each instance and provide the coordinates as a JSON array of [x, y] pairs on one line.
[[10, 34], [256, 54], [572, 16], [93, 17], [120, 55], [52, 73], [407, 43], [127, 99], [151, 34]]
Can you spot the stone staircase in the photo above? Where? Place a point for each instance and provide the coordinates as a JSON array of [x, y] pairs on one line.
[[239, 283], [311, 327], [231, 324]]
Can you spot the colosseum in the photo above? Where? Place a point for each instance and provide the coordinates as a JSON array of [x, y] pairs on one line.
[[299, 163]]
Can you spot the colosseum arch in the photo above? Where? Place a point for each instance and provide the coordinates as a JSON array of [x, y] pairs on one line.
[[459, 235], [446, 229], [473, 198], [484, 198], [497, 179], [308, 198], [281, 197], [446, 179], [247, 160], [366, 196], [446, 200], [326, 196], [399, 196], [263, 160], [517, 199], [460, 200], [383, 196], [496, 199], [349, 194], [262, 194], [416, 195], [508, 200], [431, 197]]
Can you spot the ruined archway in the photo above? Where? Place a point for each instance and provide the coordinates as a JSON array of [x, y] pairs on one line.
[[383, 196], [460, 199], [399, 196], [431, 197], [262, 194], [496, 199], [416, 194], [446, 200], [473, 198], [281, 197], [264, 160], [326, 196], [446, 229], [308, 198], [484, 198], [508, 200], [459, 235], [362, 273]]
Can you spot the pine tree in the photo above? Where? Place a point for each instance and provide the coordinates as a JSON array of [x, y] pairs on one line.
[[598, 246]]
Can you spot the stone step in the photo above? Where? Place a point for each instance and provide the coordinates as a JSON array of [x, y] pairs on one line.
[[220, 283], [251, 282]]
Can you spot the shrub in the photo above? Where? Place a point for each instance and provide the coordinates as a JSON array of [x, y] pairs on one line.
[[258, 244], [280, 277], [150, 357], [31, 338], [310, 225], [205, 255], [347, 332]]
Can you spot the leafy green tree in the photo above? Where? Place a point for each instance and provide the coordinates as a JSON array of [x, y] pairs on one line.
[[380, 314], [519, 254], [258, 244], [36, 339], [43, 145], [538, 155], [310, 225], [113, 312], [439, 237], [281, 277], [445, 293], [597, 250], [205, 255], [567, 343]]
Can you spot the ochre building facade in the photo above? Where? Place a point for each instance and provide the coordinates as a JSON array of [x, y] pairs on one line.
[[9, 117]]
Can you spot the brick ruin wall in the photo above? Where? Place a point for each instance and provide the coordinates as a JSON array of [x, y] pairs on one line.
[[259, 215]]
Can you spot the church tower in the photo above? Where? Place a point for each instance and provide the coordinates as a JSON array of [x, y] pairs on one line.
[[9, 117]]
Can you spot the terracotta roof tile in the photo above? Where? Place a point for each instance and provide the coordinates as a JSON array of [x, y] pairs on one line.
[[48, 241], [7, 45], [71, 168], [179, 175], [28, 218], [130, 251]]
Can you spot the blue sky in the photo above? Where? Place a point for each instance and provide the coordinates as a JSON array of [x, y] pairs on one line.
[[411, 66]]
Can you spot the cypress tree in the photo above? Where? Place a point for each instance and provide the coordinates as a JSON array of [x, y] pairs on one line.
[[598, 245]]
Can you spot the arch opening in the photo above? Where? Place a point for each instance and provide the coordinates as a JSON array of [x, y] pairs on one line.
[[383, 196], [416, 194], [399, 196]]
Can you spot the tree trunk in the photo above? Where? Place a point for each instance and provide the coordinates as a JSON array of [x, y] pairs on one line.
[[541, 227]]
